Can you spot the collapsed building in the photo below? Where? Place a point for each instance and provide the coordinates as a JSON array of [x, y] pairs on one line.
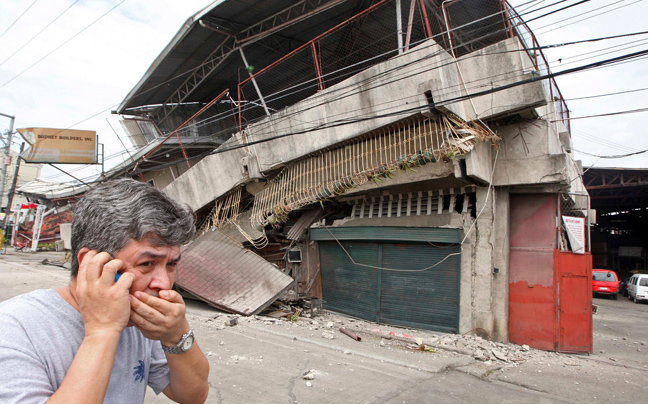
[[405, 162]]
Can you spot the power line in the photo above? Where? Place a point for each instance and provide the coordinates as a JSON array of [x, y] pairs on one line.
[[606, 95], [617, 156], [163, 83], [586, 18], [633, 111], [17, 19], [39, 32], [61, 45]]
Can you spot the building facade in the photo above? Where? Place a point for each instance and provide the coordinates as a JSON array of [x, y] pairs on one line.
[[407, 162]]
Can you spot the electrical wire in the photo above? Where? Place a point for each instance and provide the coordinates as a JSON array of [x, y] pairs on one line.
[[606, 95], [102, 111], [39, 32], [17, 19], [616, 156], [632, 111], [584, 19], [61, 45]]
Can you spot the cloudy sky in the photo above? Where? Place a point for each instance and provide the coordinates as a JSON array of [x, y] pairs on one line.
[[80, 67]]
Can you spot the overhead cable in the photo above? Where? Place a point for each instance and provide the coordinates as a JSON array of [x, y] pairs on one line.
[[61, 45], [17, 19], [39, 32]]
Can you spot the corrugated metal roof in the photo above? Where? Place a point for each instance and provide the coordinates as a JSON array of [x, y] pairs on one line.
[[193, 44], [229, 277]]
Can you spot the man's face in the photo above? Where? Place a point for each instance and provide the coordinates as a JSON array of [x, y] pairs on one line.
[[154, 266]]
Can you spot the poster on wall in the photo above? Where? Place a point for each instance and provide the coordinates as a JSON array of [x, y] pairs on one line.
[[575, 228]]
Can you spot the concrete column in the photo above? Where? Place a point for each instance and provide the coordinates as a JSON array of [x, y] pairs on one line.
[[482, 265], [501, 244]]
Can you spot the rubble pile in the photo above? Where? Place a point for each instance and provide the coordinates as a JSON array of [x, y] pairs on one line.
[[327, 325]]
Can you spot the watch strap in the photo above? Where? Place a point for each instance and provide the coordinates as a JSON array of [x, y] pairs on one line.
[[179, 348]]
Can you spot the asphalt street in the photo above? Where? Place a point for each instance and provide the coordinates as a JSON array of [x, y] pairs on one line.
[[264, 360]]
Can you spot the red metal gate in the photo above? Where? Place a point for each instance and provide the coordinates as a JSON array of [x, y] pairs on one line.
[[574, 288], [550, 291]]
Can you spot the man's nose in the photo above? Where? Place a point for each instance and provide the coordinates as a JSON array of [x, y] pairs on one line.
[[161, 279]]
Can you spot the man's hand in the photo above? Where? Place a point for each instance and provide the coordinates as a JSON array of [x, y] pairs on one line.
[[103, 303], [160, 318]]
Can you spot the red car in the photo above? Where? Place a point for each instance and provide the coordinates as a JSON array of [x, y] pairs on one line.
[[605, 282]]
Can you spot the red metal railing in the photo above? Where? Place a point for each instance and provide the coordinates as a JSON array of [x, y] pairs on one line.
[[540, 63], [369, 38]]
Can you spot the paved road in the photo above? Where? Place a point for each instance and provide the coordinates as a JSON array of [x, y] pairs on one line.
[[263, 361]]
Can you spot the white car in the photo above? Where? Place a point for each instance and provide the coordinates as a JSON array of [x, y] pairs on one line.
[[638, 287]]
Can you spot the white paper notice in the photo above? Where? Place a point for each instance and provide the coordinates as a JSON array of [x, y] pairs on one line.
[[575, 227]]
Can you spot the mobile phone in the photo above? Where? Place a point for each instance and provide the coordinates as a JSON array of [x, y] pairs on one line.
[[117, 275]]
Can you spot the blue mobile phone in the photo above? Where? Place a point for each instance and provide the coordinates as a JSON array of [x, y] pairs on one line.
[[117, 275]]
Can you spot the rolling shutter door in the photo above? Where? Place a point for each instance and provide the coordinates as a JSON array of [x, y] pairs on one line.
[[349, 288], [426, 299]]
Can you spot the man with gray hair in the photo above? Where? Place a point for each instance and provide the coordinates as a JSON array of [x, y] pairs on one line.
[[117, 327]]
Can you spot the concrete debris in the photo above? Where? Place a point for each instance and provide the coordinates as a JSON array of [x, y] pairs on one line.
[[499, 355], [309, 375], [309, 384], [232, 321], [328, 335], [488, 353]]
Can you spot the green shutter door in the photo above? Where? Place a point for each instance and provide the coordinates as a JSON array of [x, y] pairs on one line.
[[423, 299], [349, 288]]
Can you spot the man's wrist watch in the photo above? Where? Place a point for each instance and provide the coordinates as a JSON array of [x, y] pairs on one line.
[[185, 344]]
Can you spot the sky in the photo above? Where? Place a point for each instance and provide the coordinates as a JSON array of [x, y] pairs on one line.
[[83, 65]]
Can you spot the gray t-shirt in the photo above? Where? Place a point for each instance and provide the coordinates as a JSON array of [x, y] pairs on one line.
[[39, 335]]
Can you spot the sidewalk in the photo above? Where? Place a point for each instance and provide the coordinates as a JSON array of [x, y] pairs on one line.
[[265, 360]]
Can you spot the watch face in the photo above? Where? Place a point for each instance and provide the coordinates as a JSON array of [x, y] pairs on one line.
[[188, 343]]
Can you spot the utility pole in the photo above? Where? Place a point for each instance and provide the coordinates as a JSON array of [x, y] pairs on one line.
[[12, 190], [7, 151]]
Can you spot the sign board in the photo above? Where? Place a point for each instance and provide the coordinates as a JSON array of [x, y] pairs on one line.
[[575, 227], [60, 146]]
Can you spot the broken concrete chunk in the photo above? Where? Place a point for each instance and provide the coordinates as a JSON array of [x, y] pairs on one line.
[[525, 348], [328, 335], [309, 375], [499, 355], [232, 321]]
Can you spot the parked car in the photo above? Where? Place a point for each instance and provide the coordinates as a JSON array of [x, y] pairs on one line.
[[605, 282], [638, 287]]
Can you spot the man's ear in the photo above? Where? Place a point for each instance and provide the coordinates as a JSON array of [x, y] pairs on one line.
[[81, 254]]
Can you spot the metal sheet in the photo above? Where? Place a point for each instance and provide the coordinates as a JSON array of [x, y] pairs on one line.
[[221, 272]]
